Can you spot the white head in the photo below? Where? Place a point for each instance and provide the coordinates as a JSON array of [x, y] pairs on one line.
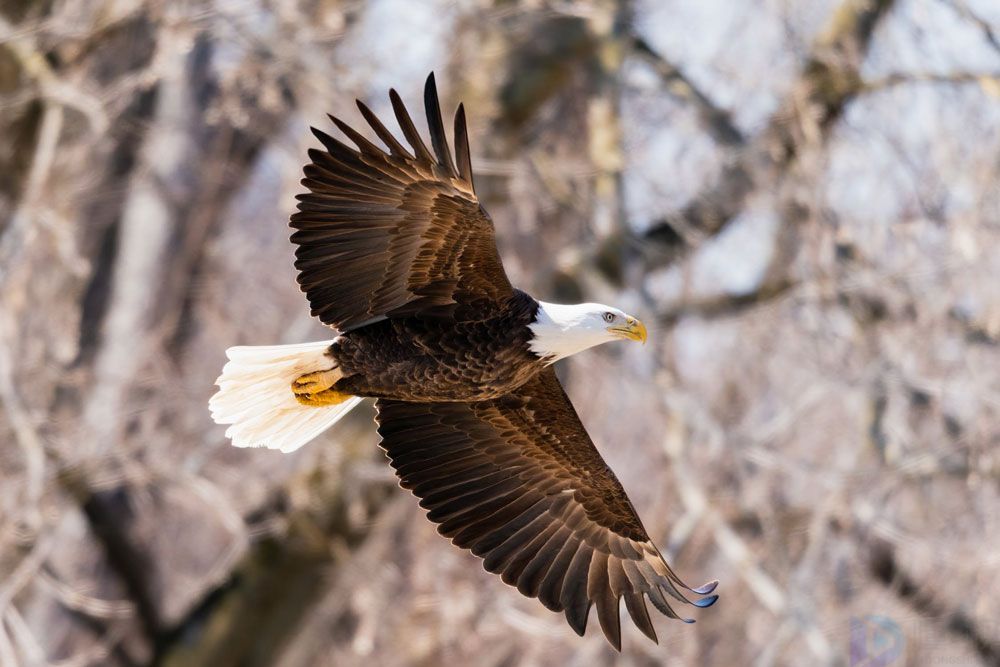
[[561, 330]]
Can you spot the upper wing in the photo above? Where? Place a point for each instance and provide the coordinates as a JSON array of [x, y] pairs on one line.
[[518, 482], [394, 233]]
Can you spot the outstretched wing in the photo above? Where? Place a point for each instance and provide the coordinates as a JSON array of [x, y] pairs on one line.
[[398, 233], [518, 482]]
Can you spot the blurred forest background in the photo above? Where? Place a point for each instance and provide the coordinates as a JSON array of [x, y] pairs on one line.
[[801, 197]]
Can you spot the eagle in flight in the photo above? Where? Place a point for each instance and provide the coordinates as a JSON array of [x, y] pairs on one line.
[[395, 252]]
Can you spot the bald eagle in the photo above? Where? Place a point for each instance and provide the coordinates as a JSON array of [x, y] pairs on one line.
[[395, 252]]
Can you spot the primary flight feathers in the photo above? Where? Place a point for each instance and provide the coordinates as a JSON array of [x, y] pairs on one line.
[[393, 234], [518, 482], [396, 253]]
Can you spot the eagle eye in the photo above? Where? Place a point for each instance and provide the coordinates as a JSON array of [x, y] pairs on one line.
[[609, 317]]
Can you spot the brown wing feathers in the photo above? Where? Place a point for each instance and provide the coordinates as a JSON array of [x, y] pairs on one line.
[[436, 125], [409, 129], [515, 480], [462, 153], [395, 148], [518, 482], [398, 233]]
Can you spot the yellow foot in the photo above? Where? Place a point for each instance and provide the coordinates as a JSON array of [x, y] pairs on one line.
[[322, 398], [315, 389], [313, 383]]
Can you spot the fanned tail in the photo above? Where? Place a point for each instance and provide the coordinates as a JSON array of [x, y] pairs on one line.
[[255, 396]]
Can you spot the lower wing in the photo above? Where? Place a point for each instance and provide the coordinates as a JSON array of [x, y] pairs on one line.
[[519, 483]]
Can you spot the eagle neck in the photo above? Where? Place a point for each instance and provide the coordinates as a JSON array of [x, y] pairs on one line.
[[555, 333]]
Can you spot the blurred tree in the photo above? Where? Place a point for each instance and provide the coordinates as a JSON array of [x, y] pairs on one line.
[[804, 194]]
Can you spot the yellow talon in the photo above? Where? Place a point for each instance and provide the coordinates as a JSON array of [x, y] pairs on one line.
[[315, 389], [322, 398], [313, 383]]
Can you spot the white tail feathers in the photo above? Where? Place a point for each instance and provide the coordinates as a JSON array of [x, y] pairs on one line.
[[255, 396]]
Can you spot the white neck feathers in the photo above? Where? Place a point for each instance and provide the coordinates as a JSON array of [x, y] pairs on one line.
[[562, 330]]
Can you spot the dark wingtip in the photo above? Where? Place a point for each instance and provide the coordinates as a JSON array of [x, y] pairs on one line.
[[408, 128], [395, 148], [435, 123], [705, 589], [463, 157], [577, 618], [394, 96], [706, 601], [336, 121]]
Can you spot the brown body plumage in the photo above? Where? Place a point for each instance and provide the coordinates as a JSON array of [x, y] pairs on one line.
[[440, 359], [395, 252]]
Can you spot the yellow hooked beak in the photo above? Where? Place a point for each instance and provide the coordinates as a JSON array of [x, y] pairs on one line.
[[633, 330]]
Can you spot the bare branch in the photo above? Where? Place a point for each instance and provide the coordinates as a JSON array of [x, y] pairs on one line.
[[718, 122], [828, 80], [989, 31], [886, 569], [989, 81]]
